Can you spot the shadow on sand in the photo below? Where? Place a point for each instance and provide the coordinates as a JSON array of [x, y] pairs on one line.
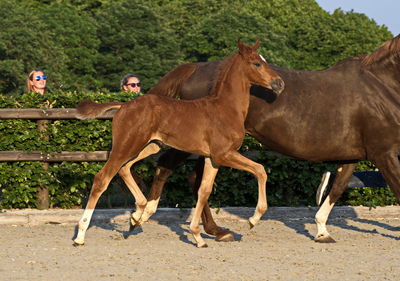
[[294, 218]]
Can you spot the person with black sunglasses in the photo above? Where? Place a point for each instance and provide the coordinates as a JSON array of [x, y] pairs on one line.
[[36, 82], [130, 83]]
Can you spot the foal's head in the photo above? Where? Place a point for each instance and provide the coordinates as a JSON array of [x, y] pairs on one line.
[[259, 72]]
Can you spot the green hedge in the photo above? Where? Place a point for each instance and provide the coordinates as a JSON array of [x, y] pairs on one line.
[[290, 182]]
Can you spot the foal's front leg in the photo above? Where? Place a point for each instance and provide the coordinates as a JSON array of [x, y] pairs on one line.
[[210, 171], [235, 160]]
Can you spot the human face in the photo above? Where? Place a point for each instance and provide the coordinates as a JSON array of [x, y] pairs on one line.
[[38, 82], [132, 85]]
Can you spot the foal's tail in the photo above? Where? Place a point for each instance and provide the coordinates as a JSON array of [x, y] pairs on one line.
[[88, 109]]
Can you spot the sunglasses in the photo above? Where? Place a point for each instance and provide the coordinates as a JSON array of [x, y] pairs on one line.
[[134, 84], [37, 78]]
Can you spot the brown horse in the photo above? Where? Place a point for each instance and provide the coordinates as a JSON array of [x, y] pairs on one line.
[[347, 113], [212, 126]]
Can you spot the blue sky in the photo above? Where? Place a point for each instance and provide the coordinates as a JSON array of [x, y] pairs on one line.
[[384, 12]]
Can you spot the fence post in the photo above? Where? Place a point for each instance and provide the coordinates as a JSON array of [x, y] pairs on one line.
[[43, 192]]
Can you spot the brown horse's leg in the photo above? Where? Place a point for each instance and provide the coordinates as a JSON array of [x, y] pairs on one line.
[[237, 161], [166, 164], [100, 184], [343, 175], [210, 227], [126, 175], [210, 171], [389, 165]]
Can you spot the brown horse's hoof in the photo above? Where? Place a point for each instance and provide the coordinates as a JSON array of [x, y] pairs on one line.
[[324, 239], [225, 236]]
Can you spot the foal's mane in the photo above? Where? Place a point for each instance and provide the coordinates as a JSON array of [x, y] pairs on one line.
[[222, 70], [388, 50]]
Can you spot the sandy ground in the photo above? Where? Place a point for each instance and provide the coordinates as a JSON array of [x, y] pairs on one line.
[[366, 249]]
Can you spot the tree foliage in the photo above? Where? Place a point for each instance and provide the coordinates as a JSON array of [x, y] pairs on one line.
[[133, 40], [90, 44]]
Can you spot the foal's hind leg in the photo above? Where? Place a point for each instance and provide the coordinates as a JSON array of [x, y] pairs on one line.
[[237, 161], [343, 175], [210, 171], [126, 175], [166, 164], [100, 184]]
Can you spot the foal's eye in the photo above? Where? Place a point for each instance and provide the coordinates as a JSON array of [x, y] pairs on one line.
[[257, 64]]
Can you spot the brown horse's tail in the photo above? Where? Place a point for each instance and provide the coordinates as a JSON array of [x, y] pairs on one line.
[[88, 109], [170, 85]]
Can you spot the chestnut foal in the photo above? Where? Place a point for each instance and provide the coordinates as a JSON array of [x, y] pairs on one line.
[[212, 126]]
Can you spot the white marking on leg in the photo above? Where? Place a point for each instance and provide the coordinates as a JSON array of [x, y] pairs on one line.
[[322, 217], [83, 226]]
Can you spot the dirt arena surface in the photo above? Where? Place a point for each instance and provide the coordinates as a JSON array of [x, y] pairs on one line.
[[366, 249]]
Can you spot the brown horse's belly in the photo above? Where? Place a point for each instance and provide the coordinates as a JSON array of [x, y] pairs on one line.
[[317, 152]]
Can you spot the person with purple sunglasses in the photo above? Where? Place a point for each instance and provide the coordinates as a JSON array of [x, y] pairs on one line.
[[36, 82]]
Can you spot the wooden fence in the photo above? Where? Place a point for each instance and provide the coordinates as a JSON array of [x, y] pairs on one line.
[[50, 114], [42, 116]]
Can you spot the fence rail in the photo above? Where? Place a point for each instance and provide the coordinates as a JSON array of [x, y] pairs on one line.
[[46, 114], [75, 156]]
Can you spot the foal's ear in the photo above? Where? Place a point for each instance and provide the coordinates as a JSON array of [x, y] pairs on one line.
[[243, 48], [256, 45]]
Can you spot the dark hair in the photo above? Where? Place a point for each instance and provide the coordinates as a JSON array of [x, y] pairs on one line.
[[125, 79]]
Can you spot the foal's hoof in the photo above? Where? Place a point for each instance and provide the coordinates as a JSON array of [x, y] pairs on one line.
[[324, 239], [202, 245], [251, 224], [131, 230], [227, 236], [133, 227], [135, 224], [78, 243]]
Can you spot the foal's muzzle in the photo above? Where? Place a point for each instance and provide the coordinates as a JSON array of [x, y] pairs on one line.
[[277, 85]]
